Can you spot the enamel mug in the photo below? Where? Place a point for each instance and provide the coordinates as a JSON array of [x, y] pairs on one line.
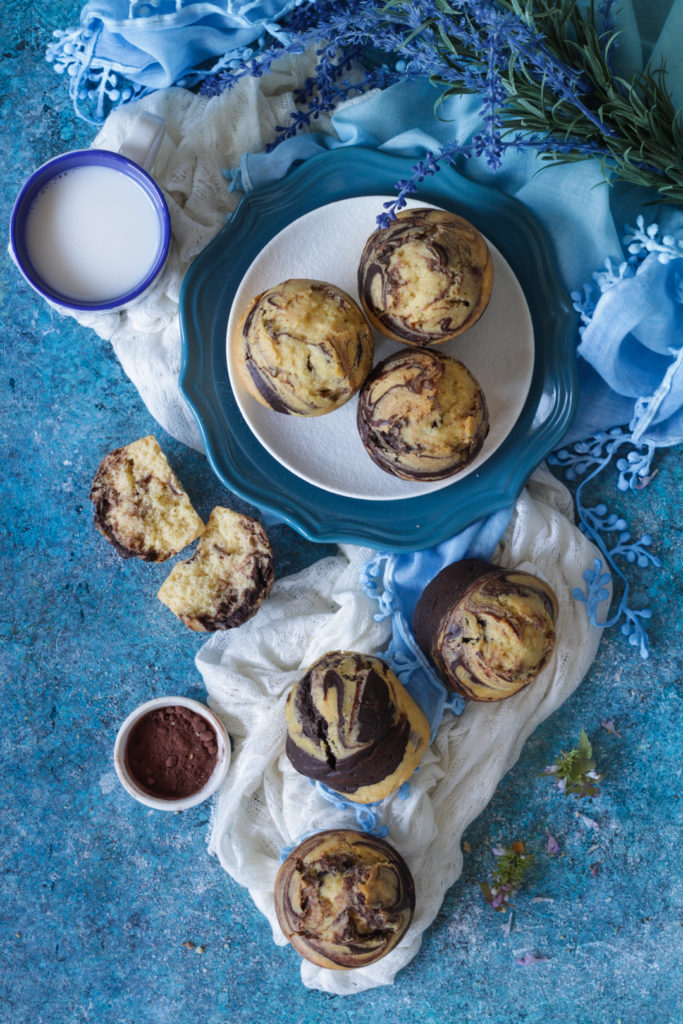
[[90, 229]]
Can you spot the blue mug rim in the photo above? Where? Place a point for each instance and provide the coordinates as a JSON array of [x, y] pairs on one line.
[[39, 180]]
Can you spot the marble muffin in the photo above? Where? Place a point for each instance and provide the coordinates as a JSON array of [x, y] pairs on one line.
[[344, 899], [353, 726], [488, 630], [303, 347], [425, 278], [422, 415], [140, 505], [227, 578]]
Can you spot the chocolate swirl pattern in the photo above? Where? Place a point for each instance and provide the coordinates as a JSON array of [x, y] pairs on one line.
[[303, 348], [227, 578], [352, 725], [140, 505], [488, 630], [422, 415], [425, 278], [344, 899]]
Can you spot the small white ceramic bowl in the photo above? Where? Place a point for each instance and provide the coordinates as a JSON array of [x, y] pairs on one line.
[[182, 803]]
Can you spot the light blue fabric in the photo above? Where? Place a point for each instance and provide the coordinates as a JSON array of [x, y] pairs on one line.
[[634, 337], [396, 583], [123, 49]]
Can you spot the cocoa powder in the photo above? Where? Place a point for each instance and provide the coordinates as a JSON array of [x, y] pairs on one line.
[[171, 752]]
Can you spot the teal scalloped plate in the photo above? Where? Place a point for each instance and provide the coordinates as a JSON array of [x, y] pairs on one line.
[[249, 470]]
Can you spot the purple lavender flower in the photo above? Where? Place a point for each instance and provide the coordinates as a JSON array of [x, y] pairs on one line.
[[475, 46]]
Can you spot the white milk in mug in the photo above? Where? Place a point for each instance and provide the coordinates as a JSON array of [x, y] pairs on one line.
[[92, 234], [90, 230]]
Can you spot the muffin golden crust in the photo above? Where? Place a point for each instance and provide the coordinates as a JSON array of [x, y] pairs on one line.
[[422, 415], [353, 726], [425, 278], [488, 630], [344, 899], [229, 575], [303, 347], [140, 505]]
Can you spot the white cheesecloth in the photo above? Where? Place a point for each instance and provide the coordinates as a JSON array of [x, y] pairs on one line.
[[204, 137], [265, 806]]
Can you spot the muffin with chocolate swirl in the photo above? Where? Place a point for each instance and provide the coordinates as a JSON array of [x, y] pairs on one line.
[[344, 899], [303, 348], [422, 415], [141, 507], [425, 278], [227, 578], [488, 630], [353, 726]]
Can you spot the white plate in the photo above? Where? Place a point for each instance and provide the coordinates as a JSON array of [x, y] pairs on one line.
[[326, 244]]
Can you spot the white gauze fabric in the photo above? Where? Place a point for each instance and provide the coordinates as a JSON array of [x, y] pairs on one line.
[[265, 806], [204, 136]]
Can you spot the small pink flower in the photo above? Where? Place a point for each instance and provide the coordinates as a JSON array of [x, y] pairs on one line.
[[552, 846]]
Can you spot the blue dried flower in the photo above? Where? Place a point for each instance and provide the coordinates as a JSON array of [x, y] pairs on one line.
[[462, 45]]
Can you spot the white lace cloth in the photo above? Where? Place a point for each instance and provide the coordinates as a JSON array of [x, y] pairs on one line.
[[204, 136], [265, 806]]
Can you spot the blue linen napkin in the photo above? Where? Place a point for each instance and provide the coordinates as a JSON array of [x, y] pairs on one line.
[[123, 49]]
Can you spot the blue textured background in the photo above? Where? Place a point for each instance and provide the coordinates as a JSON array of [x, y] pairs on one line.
[[100, 894]]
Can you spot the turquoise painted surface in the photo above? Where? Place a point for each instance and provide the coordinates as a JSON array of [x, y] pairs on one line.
[[100, 895]]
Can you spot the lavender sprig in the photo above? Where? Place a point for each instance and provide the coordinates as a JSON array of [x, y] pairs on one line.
[[543, 71], [424, 168]]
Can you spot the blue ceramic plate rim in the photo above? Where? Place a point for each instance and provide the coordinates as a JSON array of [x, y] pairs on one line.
[[245, 467]]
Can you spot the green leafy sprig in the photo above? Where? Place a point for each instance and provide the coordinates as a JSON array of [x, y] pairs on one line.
[[631, 125], [508, 878], [575, 770]]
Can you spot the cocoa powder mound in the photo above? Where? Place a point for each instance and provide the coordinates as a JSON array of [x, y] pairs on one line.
[[171, 752]]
